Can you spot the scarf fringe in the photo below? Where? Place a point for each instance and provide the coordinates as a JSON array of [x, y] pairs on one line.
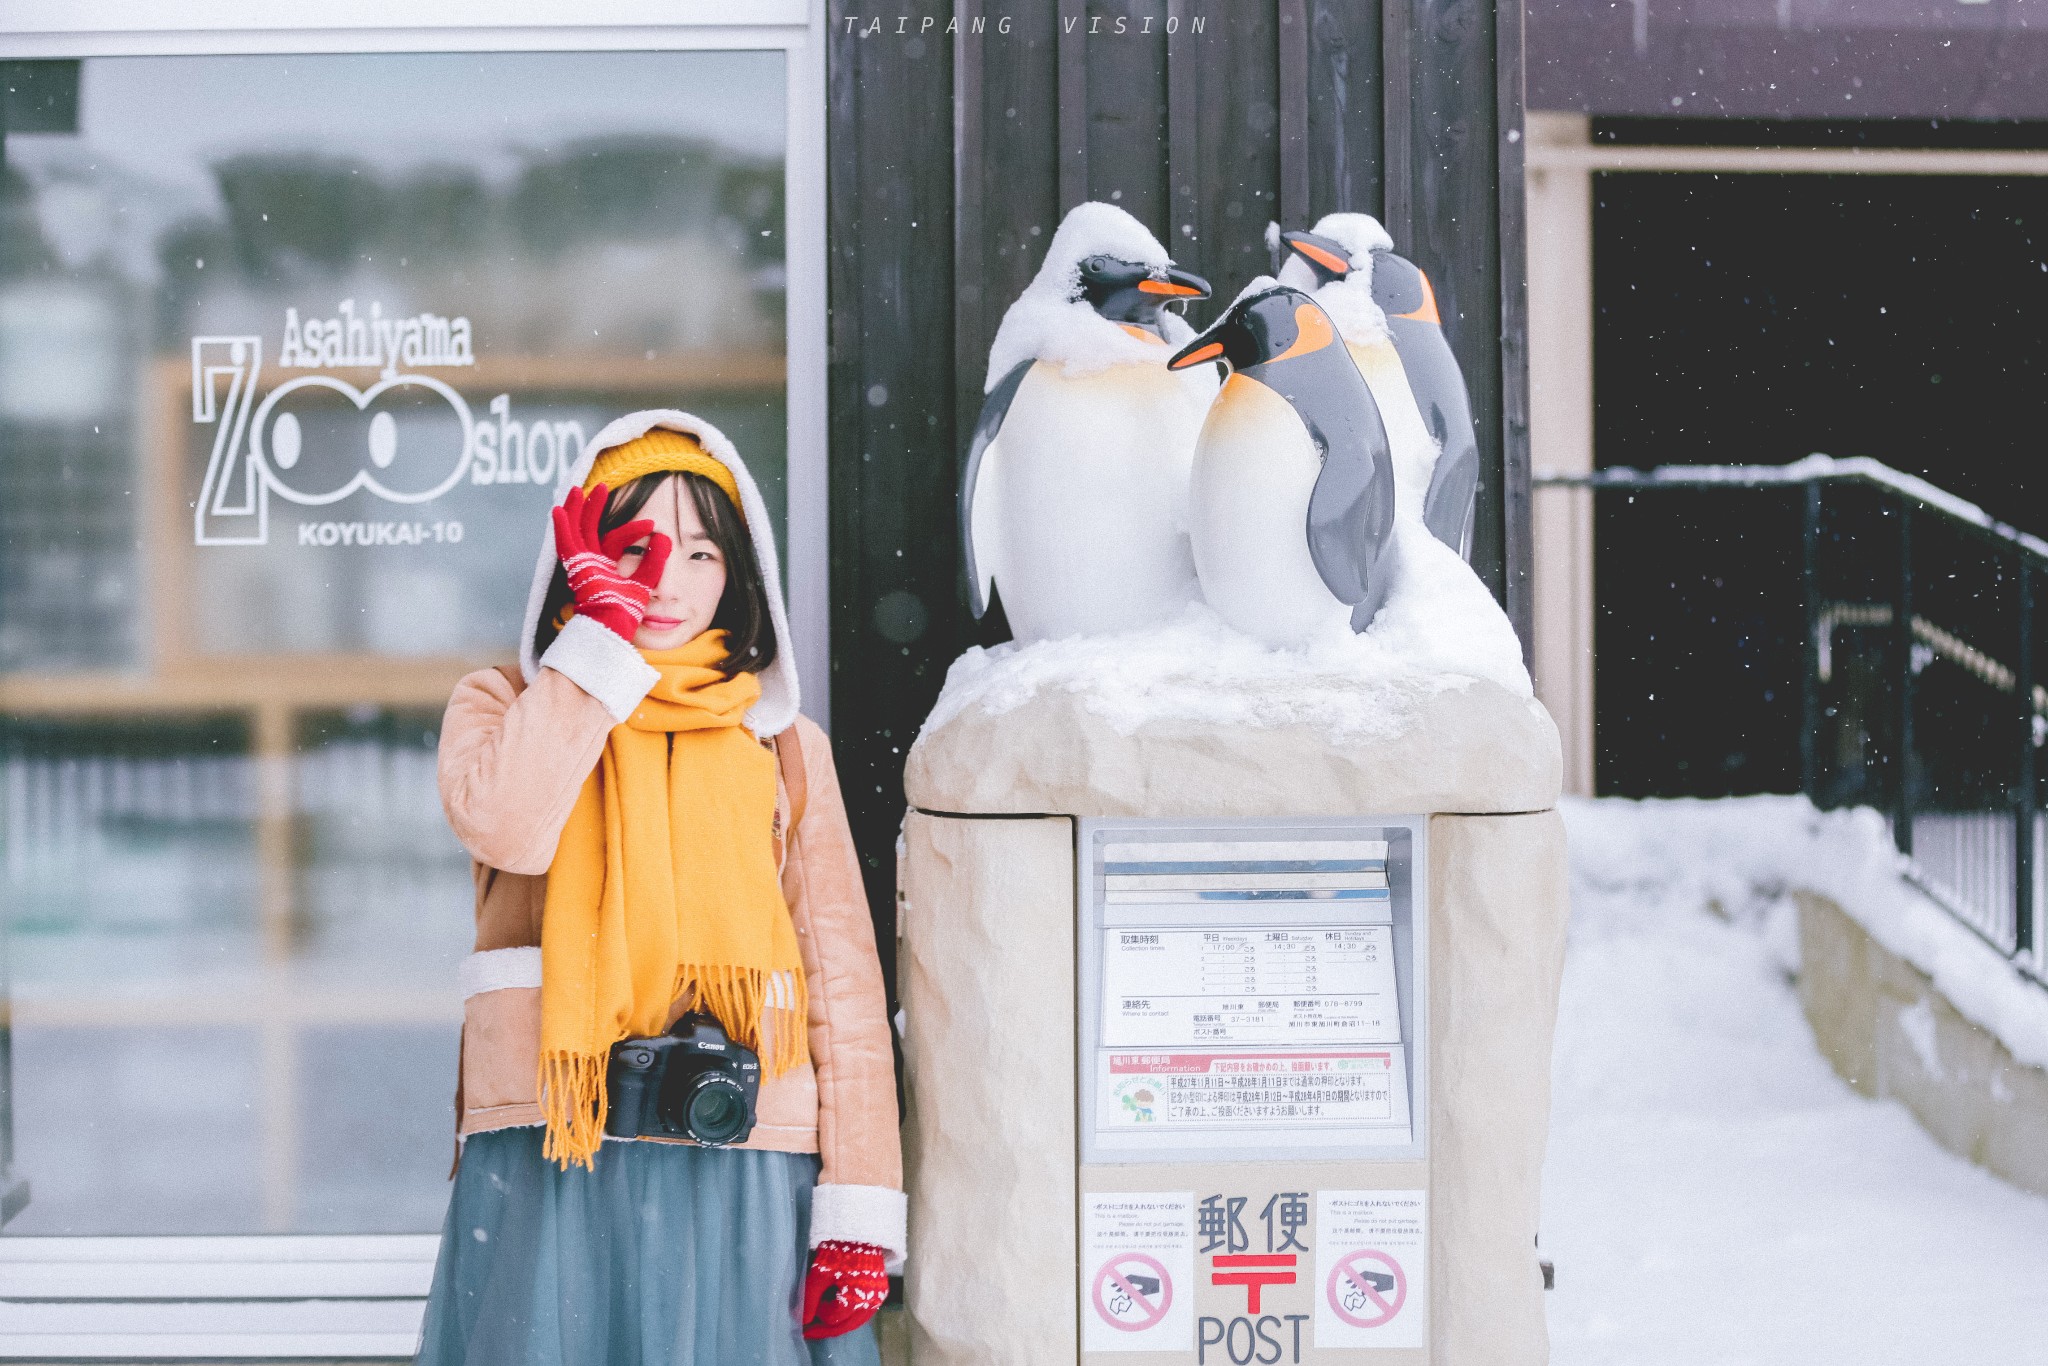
[[748, 1003], [572, 1097]]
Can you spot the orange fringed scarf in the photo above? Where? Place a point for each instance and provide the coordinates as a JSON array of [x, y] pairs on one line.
[[664, 885]]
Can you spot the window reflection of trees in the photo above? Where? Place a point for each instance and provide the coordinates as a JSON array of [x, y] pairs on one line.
[[219, 829], [557, 252]]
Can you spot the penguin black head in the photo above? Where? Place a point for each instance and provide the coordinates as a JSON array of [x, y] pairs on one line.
[[1401, 289], [1132, 292], [1398, 285], [1281, 340], [1325, 256], [1277, 325]]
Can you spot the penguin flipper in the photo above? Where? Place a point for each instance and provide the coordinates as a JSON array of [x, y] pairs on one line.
[[976, 510], [1453, 496], [1439, 388], [1351, 508]]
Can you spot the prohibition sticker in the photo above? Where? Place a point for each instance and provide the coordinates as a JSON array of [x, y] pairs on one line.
[[1372, 1268], [1367, 1288], [1137, 1262], [1133, 1292]]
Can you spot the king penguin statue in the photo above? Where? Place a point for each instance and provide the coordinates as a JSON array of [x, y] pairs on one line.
[[1292, 499], [1386, 310], [1073, 500]]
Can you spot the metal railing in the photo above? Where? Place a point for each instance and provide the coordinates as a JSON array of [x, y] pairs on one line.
[[1918, 688]]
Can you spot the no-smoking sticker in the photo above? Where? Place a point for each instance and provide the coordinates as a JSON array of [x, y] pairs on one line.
[[1372, 1259], [1367, 1288], [1137, 1270], [1133, 1292]]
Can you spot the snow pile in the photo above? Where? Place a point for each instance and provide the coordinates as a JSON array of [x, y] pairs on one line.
[[1747, 854], [1714, 1192], [1439, 629], [1050, 321], [1348, 301]]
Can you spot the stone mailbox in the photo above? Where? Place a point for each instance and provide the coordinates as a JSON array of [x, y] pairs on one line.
[[1228, 1003]]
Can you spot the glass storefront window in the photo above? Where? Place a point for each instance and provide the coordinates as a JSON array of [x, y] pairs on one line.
[[293, 352]]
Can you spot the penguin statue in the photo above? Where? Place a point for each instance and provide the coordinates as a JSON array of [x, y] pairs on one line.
[[1292, 498], [1385, 309], [1073, 502]]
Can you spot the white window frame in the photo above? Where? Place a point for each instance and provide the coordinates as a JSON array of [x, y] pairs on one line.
[[137, 28], [263, 1295]]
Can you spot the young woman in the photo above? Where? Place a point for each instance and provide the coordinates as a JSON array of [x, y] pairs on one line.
[[658, 834]]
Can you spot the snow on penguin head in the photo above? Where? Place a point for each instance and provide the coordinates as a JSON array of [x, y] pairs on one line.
[[1054, 321], [1347, 300]]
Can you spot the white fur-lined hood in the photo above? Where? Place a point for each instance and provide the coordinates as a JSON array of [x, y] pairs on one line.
[[780, 696]]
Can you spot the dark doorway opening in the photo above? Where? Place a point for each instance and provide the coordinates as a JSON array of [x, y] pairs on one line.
[[1754, 319]]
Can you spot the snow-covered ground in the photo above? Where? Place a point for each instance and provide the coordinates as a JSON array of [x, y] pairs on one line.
[[1714, 1193]]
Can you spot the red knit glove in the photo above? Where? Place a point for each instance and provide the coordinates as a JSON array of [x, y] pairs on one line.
[[606, 595], [847, 1284]]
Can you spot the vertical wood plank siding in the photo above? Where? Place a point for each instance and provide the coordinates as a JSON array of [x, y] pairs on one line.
[[1517, 558], [1183, 172], [1127, 104], [1453, 230], [890, 187], [952, 158], [1220, 232], [1013, 177], [1071, 117], [1345, 110], [1397, 121], [1294, 95]]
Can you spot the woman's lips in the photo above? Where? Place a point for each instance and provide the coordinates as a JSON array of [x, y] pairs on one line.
[[655, 623]]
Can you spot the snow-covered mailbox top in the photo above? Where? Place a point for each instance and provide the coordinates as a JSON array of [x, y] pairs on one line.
[[1032, 1241], [1431, 710]]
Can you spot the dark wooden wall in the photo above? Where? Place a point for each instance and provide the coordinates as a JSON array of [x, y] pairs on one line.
[[954, 156]]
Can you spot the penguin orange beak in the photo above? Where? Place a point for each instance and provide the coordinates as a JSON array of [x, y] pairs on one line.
[[1212, 351], [1320, 250], [1178, 284]]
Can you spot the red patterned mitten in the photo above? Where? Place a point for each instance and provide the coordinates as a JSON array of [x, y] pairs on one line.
[[604, 592], [846, 1285]]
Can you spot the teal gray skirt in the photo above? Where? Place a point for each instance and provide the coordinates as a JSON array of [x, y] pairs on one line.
[[664, 1255]]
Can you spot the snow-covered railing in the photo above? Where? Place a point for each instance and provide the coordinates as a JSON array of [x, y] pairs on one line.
[[1978, 844]]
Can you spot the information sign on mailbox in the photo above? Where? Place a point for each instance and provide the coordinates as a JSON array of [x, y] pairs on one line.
[[1252, 990]]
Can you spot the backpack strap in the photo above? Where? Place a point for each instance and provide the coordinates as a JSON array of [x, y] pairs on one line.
[[789, 753]]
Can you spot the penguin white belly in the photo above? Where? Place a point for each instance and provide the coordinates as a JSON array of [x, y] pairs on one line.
[[1087, 500], [1255, 467], [1415, 450]]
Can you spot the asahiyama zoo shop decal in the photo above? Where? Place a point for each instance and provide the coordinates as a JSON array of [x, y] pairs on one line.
[[263, 449]]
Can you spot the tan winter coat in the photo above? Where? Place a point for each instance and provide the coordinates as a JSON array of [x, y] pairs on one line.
[[511, 762], [515, 753]]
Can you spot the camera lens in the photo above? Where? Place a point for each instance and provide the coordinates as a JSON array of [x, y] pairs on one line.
[[717, 1112]]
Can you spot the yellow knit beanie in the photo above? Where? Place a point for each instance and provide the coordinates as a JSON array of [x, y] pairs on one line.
[[661, 449]]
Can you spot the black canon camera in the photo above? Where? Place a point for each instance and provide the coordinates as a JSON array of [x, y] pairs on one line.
[[692, 1082]]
